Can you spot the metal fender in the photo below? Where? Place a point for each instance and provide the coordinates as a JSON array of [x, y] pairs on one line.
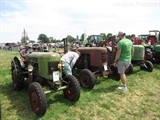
[[20, 60]]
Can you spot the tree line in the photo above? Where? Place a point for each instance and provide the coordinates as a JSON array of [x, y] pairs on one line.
[[45, 39]]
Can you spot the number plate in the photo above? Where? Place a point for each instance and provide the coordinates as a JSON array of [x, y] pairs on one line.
[[55, 76], [105, 67]]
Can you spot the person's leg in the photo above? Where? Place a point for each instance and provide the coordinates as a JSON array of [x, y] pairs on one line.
[[67, 69], [123, 78], [121, 71]]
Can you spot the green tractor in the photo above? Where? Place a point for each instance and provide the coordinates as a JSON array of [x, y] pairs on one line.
[[152, 45], [156, 47], [43, 71], [139, 57], [94, 41]]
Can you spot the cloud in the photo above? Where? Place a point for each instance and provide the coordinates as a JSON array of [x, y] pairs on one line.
[[60, 18]]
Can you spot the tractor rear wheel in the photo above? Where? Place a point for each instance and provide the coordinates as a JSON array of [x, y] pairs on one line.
[[17, 78], [87, 79], [37, 99], [147, 65], [71, 93]]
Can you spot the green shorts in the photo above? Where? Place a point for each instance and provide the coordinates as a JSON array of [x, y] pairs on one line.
[[67, 69]]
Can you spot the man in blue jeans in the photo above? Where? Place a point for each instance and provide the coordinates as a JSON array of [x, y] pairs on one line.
[[69, 60], [123, 57]]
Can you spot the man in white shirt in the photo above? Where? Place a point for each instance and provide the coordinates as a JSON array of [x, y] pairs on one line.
[[69, 60]]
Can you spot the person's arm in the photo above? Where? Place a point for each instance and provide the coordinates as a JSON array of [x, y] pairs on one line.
[[118, 53]]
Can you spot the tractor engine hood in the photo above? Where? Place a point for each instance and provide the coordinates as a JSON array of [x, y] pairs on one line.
[[47, 63], [43, 56], [97, 55]]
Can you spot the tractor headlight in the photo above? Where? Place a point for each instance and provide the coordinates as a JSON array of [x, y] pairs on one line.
[[30, 68], [59, 65]]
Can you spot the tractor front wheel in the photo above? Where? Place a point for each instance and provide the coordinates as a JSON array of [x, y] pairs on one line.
[[71, 93], [147, 65], [17, 79], [87, 79], [37, 98]]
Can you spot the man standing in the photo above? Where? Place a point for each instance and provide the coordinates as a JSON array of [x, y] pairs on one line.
[[69, 60], [123, 57]]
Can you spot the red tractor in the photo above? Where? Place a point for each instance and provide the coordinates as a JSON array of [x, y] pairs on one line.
[[92, 64], [151, 38]]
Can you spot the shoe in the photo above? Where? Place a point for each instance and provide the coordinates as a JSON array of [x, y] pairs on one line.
[[123, 88]]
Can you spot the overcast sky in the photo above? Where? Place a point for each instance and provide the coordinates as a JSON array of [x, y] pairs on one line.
[[59, 18]]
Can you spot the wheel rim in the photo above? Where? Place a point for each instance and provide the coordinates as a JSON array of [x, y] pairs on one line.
[[69, 94], [34, 100], [85, 81]]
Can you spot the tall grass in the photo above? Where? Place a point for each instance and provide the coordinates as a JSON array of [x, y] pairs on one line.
[[103, 102]]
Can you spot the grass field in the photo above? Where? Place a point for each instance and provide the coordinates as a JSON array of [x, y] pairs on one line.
[[103, 102]]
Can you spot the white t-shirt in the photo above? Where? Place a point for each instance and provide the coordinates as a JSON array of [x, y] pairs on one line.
[[70, 57]]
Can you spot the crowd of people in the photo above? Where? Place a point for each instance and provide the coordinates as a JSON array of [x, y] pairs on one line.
[[6, 47]]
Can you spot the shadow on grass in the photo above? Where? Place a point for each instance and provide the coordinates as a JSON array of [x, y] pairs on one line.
[[111, 86], [136, 71], [157, 66], [58, 98], [103, 84], [19, 102], [107, 89]]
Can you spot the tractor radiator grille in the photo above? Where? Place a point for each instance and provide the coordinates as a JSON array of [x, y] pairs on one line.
[[52, 66], [104, 55]]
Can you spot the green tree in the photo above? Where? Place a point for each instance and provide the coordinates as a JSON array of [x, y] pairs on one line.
[[31, 41], [43, 38], [104, 36], [128, 36], [109, 34], [83, 37], [18, 42], [51, 39], [24, 39], [70, 38]]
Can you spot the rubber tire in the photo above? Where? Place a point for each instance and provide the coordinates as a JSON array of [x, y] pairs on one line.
[[71, 93], [37, 99], [149, 66], [114, 75], [86, 79], [17, 79], [129, 70]]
